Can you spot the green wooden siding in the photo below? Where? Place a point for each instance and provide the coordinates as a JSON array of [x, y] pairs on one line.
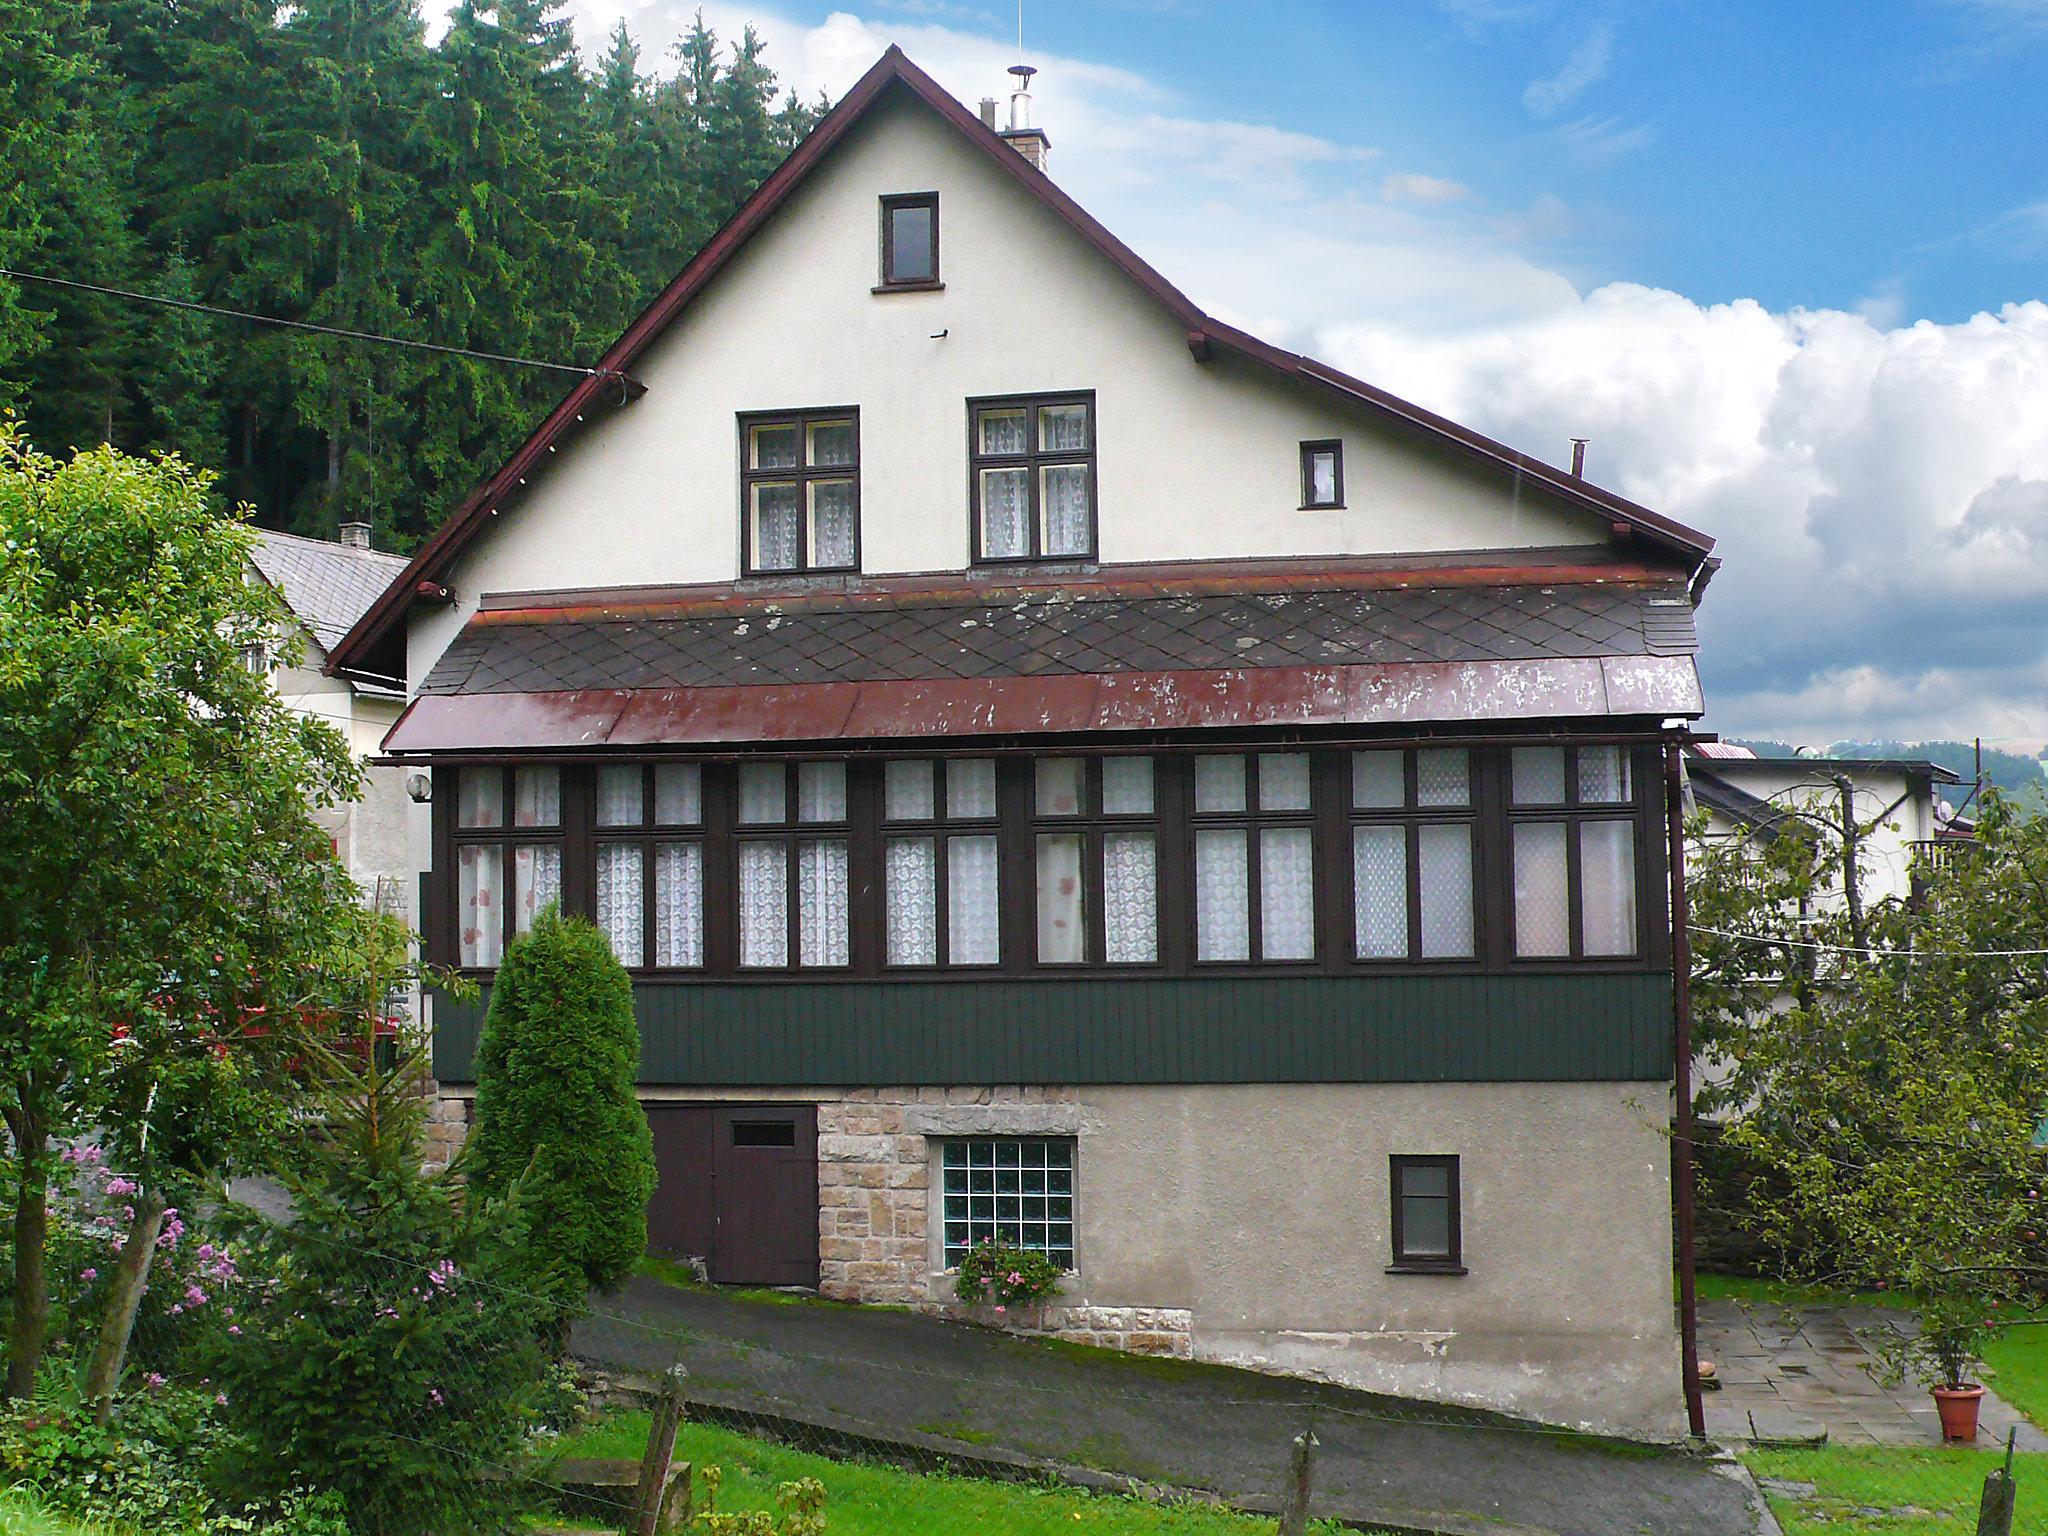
[[1590, 1027]]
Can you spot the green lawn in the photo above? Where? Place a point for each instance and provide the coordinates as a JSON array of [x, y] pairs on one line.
[[866, 1499], [23, 1513]]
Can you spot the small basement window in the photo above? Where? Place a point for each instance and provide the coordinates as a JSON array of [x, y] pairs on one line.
[[1425, 1213], [910, 240], [1322, 474], [1009, 1190]]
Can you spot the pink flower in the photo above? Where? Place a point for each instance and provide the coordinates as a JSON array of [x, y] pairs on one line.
[[153, 1380], [235, 1329], [221, 1398], [121, 1186], [1001, 1309], [88, 1275], [177, 1307], [195, 1295], [434, 1394]]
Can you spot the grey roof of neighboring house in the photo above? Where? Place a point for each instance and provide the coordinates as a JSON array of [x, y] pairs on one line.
[[327, 585]]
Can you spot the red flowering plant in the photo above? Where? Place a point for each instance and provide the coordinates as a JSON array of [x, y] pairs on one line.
[[996, 1272]]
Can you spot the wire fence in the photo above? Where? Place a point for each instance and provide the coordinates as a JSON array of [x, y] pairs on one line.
[[795, 1411]]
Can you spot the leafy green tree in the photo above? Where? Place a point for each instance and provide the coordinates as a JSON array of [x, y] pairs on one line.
[[556, 1113], [1887, 1061], [163, 889]]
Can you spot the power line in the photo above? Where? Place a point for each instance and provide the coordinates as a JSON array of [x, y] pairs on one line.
[[307, 325], [1870, 952]]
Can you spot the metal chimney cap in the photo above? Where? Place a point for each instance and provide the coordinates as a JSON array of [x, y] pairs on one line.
[[1023, 72]]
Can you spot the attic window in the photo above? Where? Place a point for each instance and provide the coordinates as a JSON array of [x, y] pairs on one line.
[[1322, 474], [910, 241]]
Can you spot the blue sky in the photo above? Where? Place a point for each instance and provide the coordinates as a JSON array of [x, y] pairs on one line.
[[1785, 265]]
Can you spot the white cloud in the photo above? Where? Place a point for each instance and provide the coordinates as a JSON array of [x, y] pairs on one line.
[[1411, 187], [1603, 140], [1585, 67]]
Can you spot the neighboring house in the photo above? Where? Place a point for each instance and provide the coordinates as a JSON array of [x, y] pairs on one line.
[[327, 587], [1060, 769]]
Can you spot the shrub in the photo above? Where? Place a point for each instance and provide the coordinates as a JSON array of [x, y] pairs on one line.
[[556, 1112], [1009, 1277]]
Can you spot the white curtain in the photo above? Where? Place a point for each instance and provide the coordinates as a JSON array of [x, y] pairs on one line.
[[536, 881], [537, 797], [1538, 774], [480, 797], [971, 788], [1607, 886], [972, 936], [1063, 496], [1005, 513], [1378, 781], [1219, 783], [1379, 891], [911, 870], [831, 523], [1287, 901], [1062, 926], [764, 793], [620, 790], [1060, 780], [1283, 781], [480, 880], [764, 903], [821, 792], [1443, 776], [821, 902], [907, 790], [1130, 897], [1542, 918], [831, 444], [679, 904], [1063, 428], [1444, 855], [778, 527], [1127, 786], [622, 900], [1223, 924], [678, 794], [1603, 775]]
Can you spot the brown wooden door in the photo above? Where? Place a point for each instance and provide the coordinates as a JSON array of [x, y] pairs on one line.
[[680, 1218], [764, 1192]]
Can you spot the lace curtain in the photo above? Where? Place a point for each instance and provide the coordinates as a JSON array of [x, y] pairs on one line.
[[1283, 781], [971, 788], [1223, 924], [1127, 786], [764, 903], [622, 900], [536, 881], [778, 527], [907, 793], [831, 523], [479, 887], [1063, 496], [1379, 781], [679, 904], [1005, 513], [619, 796], [911, 877], [678, 794], [1444, 871], [1603, 775], [764, 794], [537, 797], [972, 936], [1287, 906], [1130, 898], [821, 902], [1379, 891]]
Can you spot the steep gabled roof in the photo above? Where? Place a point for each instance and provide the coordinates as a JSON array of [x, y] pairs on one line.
[[327, 586], [608, 383]]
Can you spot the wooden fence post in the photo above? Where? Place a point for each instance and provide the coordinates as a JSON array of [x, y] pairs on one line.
[[1994, 1513], [1300, 1473], [651, 1497]]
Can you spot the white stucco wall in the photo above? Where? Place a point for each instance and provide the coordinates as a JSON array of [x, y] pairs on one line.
[[1196, 460], [1902, 811]]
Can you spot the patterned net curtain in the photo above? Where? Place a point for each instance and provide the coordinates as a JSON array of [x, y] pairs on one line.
[[832, 514], [1005, 493], [1063, 488]]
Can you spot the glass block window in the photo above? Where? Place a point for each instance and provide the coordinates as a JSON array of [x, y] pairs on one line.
[[939, 871], [1572, 842], [1425, 1213], [1095, 861], [800, 491], [1018, 1191], [1412, 831], [1255, 864]]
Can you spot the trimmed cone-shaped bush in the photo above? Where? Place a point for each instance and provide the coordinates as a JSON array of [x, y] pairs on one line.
[[555, 1109]]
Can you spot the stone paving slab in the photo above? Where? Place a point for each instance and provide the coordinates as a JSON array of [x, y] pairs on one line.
[[1808, 1366]]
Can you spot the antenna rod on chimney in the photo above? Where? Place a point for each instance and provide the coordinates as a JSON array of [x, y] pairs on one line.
[[1579, 457]]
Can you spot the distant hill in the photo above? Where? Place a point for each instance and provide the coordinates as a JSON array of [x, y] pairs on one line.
[[2016, 775]]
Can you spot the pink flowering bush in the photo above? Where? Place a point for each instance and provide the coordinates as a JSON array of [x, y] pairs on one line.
[[1007, 1276]]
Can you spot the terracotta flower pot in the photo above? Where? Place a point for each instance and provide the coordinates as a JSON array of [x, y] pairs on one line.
[[1958, 1407]]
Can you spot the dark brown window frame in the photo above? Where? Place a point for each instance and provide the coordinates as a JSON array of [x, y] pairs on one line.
[[506, 837], [803, 473], [1573, 813], [1411, 816], [1334, 446], [1254, 821], [1092, 825], [940, 828], [1015, 827], [793, 832], [889, 282], [650, 835], [1032, 460], [1403, 1262]]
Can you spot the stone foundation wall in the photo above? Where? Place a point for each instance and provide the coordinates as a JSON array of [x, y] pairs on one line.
[[1166, 1331], [447, 1128]]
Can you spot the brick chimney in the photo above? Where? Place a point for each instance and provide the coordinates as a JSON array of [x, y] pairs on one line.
[[355, 535], [1028, 141]]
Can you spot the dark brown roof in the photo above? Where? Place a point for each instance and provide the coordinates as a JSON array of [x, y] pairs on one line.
[[608, 383]]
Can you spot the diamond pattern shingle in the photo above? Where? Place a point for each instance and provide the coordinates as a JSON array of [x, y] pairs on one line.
[[532, 652]]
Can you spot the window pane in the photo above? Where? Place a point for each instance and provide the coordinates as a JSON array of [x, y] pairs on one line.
[[479, 890], [971, 929], [910, 243], [1222, 894], [1607, 888], [1426, 1179], [679, 904], [1444, 857], [1539, 775], [480, 797], [536, 881], [831, 524], [1003, 430], [1062, 933], [971, 788], [764, 792], [778, 526], [537, 797], [622, 900], [912, 890], [1005, 513], [764, 904], [1063, 427], [1443, 776], [1322, 477], [1130, 898], [831, 444], [1377, 781], [1283, 781], [907, 790], [1219, 783], [1063, 500], [620, 791], [821, 792], [774, 445], [1127, 786], [1425, 1226], [821, 903], [678, 794], [1603, 775], [1287, 903], [1542, 926], [1059, 786], [1015, 1191], [1379, 892]]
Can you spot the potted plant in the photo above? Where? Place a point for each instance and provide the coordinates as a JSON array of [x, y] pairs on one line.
[[1006, 1285], [1944, 1352]]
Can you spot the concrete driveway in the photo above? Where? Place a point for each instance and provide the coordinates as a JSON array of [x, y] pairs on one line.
[[932, 1393]]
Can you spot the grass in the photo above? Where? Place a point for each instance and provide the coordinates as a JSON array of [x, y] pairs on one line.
[[23, 1513], [867, 1499], [1760, 1292]]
